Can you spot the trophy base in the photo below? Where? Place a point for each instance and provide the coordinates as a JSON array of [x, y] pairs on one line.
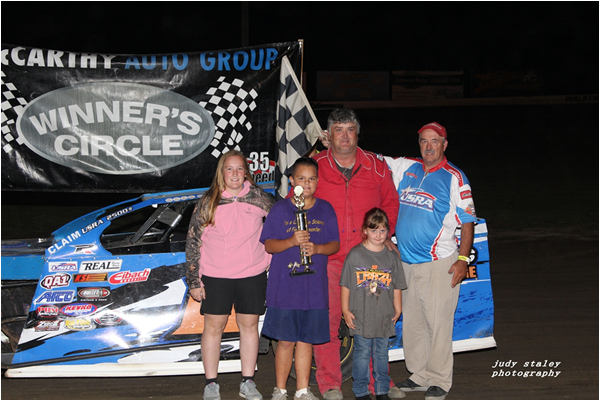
[[302, 273]]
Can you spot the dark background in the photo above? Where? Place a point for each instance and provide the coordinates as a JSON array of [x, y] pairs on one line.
[[529, 165], [560, 39]]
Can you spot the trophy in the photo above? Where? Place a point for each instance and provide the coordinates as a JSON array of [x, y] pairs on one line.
[[302, 225]]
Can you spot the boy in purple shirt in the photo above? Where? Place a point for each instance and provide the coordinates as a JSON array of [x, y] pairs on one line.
[[297, 306]]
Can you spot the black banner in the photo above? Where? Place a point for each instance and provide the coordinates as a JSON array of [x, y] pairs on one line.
[[137, 123]]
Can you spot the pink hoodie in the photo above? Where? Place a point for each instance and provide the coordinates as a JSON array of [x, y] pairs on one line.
[[231, 248]]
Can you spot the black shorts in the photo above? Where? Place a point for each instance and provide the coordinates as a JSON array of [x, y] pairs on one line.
[[248, 295]]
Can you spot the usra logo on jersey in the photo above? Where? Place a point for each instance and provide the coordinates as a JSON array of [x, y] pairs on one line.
[[417, 198]]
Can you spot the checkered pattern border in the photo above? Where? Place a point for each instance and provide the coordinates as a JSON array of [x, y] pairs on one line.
[[13, 105], [227, 104]]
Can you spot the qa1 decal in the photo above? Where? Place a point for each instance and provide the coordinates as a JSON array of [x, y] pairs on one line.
[[55, 280]]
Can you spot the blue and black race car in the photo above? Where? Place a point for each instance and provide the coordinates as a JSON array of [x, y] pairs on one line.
[[106, 295]]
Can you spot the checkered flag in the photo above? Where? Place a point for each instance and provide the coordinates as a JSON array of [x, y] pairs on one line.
[[297, 127], [12, 107], [227, 105]]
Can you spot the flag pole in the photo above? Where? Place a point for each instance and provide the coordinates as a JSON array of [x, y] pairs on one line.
[[301, 62]]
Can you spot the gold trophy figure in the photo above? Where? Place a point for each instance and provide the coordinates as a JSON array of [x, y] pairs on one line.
[[302, 225]]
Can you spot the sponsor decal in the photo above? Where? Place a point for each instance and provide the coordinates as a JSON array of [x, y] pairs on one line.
[[47, 311], [92, 277], [465, 195], [56, 297], [93, 294], [55, 280], [84, 249], [411, 175], [100, 265], [62, 266], [79, 323], [115, 127], [119, 213], [78, 309], [48, 325], [108, 318], [129, 277], [261, 167], [470, 209]]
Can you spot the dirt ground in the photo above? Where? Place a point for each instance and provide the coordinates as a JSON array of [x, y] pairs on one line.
[[534, 175]]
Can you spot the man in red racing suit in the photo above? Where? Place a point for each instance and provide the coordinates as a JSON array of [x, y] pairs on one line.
[[353, 181]]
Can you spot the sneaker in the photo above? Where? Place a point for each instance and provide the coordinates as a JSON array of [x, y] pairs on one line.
[[333, 394], [382, 397], [278, 395], [435, 393], [211, 392], [395, 393], [248, 391], [307, 396], [409, 385]]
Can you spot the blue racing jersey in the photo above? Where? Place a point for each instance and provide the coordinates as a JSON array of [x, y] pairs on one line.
[[432, 205]]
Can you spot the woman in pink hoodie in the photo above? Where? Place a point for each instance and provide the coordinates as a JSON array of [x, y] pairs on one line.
[[226, 266]]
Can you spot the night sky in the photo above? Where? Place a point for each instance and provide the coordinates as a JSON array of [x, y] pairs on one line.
[[558, 39]]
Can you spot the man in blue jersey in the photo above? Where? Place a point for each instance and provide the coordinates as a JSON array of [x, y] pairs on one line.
[[435, 198]]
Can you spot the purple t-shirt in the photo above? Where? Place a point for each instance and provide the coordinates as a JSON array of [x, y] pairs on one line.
[[307, 291]]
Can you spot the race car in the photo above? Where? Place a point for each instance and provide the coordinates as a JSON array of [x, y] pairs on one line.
[[106, 295]]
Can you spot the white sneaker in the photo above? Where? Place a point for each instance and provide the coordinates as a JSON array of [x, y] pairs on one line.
[[248, 391], [278, 394], [306, 396]]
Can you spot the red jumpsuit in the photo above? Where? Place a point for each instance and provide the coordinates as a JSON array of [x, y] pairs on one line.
[[369, 186]]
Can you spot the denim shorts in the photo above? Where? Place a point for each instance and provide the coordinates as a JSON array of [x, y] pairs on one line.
[[309, 326]]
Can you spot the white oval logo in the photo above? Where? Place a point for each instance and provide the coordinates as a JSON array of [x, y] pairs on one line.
[[115, 127]]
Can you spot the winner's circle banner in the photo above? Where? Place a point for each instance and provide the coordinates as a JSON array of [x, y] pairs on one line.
[[137, 123]]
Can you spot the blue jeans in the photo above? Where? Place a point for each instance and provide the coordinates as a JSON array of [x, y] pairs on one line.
[[364, 349]]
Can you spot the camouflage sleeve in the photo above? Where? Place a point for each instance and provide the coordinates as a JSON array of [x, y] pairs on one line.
[[261, 199], [269, 201], [192, 249]]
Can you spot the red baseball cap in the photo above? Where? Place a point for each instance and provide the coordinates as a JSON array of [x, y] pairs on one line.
[[439, 128]]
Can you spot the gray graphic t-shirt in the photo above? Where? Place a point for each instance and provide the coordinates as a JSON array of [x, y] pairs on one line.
[[372, 278]]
